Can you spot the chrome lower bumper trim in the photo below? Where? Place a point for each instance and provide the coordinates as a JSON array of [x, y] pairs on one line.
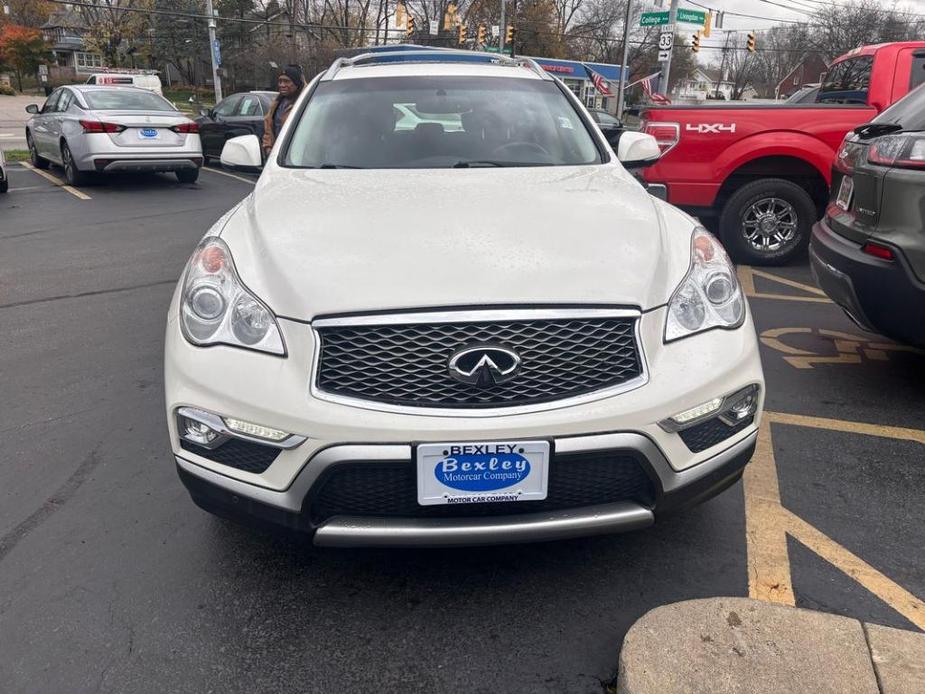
[[348, 531]]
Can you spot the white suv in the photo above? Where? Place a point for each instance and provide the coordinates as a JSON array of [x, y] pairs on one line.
[[474, 326]]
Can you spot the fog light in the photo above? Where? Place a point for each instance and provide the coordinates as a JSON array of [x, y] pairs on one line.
[[740, 405], [256, 430], [197, 432]]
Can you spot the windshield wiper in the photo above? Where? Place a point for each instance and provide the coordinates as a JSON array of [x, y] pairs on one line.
[[339, 166], [465, 164], [876, 129]]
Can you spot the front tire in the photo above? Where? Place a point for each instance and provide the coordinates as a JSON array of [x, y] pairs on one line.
[[73, 175], [187, 175], [767, 222], [37, 161], [4, 186]]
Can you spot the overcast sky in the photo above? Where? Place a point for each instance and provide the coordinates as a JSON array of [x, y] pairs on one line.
[[772, 12]]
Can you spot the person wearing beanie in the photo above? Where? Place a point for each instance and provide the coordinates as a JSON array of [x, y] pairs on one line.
[[290, 84]]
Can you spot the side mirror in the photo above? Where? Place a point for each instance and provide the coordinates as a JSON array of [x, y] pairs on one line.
[[637, 150], [205, 111], [32, 108], [242, 153]]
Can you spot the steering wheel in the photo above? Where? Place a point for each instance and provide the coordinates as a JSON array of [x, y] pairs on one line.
[[510, 147]]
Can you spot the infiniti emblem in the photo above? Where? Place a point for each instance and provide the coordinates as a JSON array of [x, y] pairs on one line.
[[483, 365]]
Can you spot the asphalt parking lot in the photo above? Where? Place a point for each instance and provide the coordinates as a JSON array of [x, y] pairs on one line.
[[112, 580]]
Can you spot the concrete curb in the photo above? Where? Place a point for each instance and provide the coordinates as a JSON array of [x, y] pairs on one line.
[[738, 645]]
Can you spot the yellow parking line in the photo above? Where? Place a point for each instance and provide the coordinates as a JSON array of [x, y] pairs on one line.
[[880, 430], [765, 537], [57, 181], [768, 523], [790, 283], [229, 175], [853, 566]]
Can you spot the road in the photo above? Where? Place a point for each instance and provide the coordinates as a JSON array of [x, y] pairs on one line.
[[13, 119], [112, 580]]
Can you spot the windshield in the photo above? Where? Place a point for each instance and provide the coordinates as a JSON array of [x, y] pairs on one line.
[[126, 100], [908, 112], [439, 122]]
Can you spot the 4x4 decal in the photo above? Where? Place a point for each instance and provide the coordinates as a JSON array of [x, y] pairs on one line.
[[705, 128]]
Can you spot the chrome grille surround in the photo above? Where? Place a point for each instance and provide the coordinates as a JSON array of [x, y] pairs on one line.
[[619, 325]]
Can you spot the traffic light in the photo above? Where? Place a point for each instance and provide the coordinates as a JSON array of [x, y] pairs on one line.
[[695, 42], [462, 36], [481, 35], [750, 43], [509, 38], [707, 24], [449, 17], [400, 14], [409, 30]]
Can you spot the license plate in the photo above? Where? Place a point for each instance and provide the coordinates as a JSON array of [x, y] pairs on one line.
[[845, 191], [479, 473], [149, 133]]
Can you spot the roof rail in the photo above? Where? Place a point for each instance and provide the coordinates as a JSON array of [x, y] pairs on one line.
[[418, 54]]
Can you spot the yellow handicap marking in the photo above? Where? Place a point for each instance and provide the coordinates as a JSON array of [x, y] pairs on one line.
[[747, 276], [768, 523], [57, 181], [850, 348]]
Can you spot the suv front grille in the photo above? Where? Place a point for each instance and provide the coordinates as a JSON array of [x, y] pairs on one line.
[[407, 365], [390, 489]]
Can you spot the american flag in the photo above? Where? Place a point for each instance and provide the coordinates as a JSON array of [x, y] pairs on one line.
[[653, 96], [600, 84]]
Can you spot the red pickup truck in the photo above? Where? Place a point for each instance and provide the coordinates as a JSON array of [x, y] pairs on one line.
[[759, 174]]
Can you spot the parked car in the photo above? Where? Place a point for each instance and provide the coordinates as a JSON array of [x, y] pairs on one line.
[[609, 124], [4, 181], [89, 129], [442, 337], [760, 174], [238, 114], [868, 253], [804, 95], [144, 79]]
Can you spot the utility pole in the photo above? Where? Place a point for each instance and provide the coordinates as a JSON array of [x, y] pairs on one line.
[[666, 64], [621, 91], [502, 33], [213, 51]]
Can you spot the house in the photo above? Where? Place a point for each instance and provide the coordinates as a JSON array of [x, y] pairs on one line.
[[703, 83], [64, 31], [809, 70]]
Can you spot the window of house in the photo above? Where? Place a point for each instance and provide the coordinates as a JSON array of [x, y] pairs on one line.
[[88, 61]]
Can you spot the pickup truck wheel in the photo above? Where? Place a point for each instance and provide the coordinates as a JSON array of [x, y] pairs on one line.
[[767, 222]]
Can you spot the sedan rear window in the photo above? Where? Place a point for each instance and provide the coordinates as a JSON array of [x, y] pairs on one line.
[[439, 122], [126, 100]]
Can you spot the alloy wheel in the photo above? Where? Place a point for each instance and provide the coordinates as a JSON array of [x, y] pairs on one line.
[[770, 224]]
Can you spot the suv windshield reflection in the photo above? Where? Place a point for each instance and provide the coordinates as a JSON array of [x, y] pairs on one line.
[[431, 122]]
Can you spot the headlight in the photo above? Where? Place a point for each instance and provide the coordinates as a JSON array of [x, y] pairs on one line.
[[216, 308], [709, 296]]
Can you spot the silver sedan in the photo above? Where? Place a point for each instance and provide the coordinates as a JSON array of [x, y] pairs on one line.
[[86, 129]]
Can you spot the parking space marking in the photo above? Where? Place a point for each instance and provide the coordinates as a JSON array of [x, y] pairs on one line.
[[229, 175], [57, 181], [768, 524], [747, 275], [851, 348]]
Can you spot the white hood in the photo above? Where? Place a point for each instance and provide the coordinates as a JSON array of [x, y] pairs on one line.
[[317, 242]]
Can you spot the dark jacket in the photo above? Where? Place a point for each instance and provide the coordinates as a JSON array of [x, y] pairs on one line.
[[269, 136]]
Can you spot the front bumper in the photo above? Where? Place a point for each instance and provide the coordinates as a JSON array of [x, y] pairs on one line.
[[289, 508], [879, 295], [275, 392]]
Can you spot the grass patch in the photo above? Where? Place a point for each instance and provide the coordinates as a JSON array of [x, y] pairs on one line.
[[16, 155]]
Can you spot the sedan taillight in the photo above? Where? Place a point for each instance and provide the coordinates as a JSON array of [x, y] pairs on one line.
[[186, 128], [902, 151], [95, 126]]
